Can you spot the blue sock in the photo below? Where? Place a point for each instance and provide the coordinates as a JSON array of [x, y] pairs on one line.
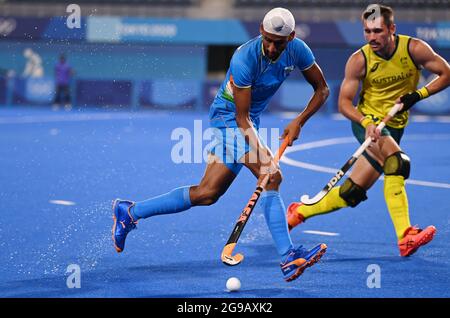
[[274, 212], [174, 201]]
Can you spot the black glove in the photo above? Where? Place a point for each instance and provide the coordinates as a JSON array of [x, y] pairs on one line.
[[409, 100]]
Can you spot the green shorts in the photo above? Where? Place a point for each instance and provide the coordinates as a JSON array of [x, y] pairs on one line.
[[360, 133]]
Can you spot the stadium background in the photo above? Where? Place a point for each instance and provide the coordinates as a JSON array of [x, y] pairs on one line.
[[172, 54], [143, 69]]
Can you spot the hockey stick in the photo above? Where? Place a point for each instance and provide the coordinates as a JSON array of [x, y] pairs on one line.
[[338, 176], [227, 257]]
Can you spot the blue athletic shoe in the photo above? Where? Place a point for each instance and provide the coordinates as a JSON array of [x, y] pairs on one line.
[[299, 259], [123, 222]]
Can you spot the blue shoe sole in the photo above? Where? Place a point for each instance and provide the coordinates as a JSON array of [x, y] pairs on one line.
[[311, 262]]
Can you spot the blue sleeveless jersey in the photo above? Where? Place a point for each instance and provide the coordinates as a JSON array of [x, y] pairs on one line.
[[249, 67]]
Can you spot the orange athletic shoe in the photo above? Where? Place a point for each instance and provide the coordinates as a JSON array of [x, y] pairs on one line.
[[293, 217], [415, 238]]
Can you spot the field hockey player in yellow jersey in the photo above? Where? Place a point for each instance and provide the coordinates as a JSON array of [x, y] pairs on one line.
[[388, 67]]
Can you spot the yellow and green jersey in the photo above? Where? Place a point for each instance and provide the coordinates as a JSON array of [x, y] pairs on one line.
[[386, 79]]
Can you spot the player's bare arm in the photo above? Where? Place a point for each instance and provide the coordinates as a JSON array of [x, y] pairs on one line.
[[315, 78], [242, 100], [424, 56], [354, 73]]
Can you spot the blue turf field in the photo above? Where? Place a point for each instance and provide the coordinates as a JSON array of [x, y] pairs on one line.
[[89, 158]]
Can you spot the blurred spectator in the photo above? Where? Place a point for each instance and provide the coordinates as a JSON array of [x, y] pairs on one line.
[[7, 73], [63, 74], [33, 66]]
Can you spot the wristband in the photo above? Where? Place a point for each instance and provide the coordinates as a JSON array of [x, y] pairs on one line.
[[366, 121], [423, 92]]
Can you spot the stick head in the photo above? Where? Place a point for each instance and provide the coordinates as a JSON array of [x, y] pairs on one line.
[[232, 260], [228, 258], [306, 200]]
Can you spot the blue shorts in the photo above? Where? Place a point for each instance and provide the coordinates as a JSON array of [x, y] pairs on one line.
[[228, 143]]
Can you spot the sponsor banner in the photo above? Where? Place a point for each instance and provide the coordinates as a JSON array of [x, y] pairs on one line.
[[103, 29], [107, 61], [294, 95], [171, 94], [25, 28], [182, 31], [3, 88], [34, 91], [312, 33], [58, 29], [319, 33], [210, 89], [352, 33], [40, 90], [116, 94], [437, 104], [443, 35], [193, 31], [436, 34]]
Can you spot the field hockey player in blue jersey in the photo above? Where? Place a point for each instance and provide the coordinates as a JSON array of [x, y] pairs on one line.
[[257, 69]]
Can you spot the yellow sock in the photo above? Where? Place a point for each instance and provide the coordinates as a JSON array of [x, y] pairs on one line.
[[397, 203], [331, 202]]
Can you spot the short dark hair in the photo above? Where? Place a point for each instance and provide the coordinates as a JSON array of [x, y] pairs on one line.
[[386, 12]]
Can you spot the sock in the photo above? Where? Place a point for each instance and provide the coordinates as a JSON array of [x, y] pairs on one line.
[[331, 202], [397, 203], [177, 200], [274, 211]]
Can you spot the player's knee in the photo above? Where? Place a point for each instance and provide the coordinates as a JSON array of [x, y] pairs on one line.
[[397, 164], [275, 181], [277, 178], [352, 193], [211, 197], [205, 196]]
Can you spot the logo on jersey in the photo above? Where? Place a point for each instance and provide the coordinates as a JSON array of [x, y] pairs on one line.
[[374, 67], [228, 91], [404, 61], [288, 70]]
